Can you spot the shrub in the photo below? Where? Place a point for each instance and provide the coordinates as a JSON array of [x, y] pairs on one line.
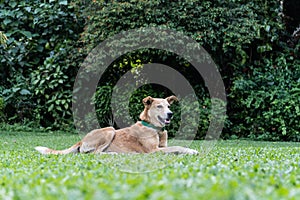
[[238, 35], [247, 39], [268, 101], [126, 111], [2, 115], [37, 59]]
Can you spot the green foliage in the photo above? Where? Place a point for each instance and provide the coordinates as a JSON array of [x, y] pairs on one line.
[[238, 35], [2, 115], [127, 111], [44, 42], [269, 101], [52, 86], [3, 39], [37, 58], [134, 105], [19, 99], [232, 170]]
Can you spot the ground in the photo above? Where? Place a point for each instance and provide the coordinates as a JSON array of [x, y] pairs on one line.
[[236, 169]]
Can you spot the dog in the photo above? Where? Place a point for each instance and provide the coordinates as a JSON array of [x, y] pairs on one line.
[[145, 136]]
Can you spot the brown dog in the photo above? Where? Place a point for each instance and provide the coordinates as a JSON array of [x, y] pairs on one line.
[[144, 136]]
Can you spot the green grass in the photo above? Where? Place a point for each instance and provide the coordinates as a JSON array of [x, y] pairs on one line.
[[232, 170]]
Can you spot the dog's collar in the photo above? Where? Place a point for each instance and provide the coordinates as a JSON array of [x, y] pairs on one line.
[[152, 126]]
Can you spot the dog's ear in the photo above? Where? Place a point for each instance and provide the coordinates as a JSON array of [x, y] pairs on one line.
[[148, 101], [171, 99]]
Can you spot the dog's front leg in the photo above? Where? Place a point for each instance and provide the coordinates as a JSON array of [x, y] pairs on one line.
[[177, 150], [163, 139]]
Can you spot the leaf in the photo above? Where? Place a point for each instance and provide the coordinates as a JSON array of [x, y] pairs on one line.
[[63, 2], [28, 9], [13, 4], [6, 21], [66, 106], [25, 92], [27, 34], [51, 107], [16, 89]]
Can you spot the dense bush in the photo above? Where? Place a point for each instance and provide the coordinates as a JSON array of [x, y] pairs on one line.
[[247, 39], [37, 68], [2, 115], [135, 107], [268, 101]]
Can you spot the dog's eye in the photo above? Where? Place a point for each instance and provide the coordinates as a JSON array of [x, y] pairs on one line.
[[159, 106]]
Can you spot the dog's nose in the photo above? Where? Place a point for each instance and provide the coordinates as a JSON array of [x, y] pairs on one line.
[[170, 114]]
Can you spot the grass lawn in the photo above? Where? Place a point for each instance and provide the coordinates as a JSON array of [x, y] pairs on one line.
[[232, 170]]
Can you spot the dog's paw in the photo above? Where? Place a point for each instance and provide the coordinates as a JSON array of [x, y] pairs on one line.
[[192, 152]]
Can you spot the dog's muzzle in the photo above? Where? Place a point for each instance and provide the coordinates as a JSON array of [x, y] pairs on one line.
[[167, 120], [170, 115]]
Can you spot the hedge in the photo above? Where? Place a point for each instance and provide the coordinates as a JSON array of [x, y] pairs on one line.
[[37, 63], [247, 39]]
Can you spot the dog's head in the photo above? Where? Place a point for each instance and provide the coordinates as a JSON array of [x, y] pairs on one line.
[[157, 111]]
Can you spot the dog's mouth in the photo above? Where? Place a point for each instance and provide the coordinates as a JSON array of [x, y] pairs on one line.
[[166, 121]]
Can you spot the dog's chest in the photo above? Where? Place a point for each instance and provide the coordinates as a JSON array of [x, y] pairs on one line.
[[149, 140]]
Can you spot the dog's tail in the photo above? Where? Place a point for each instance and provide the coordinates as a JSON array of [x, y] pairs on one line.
[[72, 149]]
